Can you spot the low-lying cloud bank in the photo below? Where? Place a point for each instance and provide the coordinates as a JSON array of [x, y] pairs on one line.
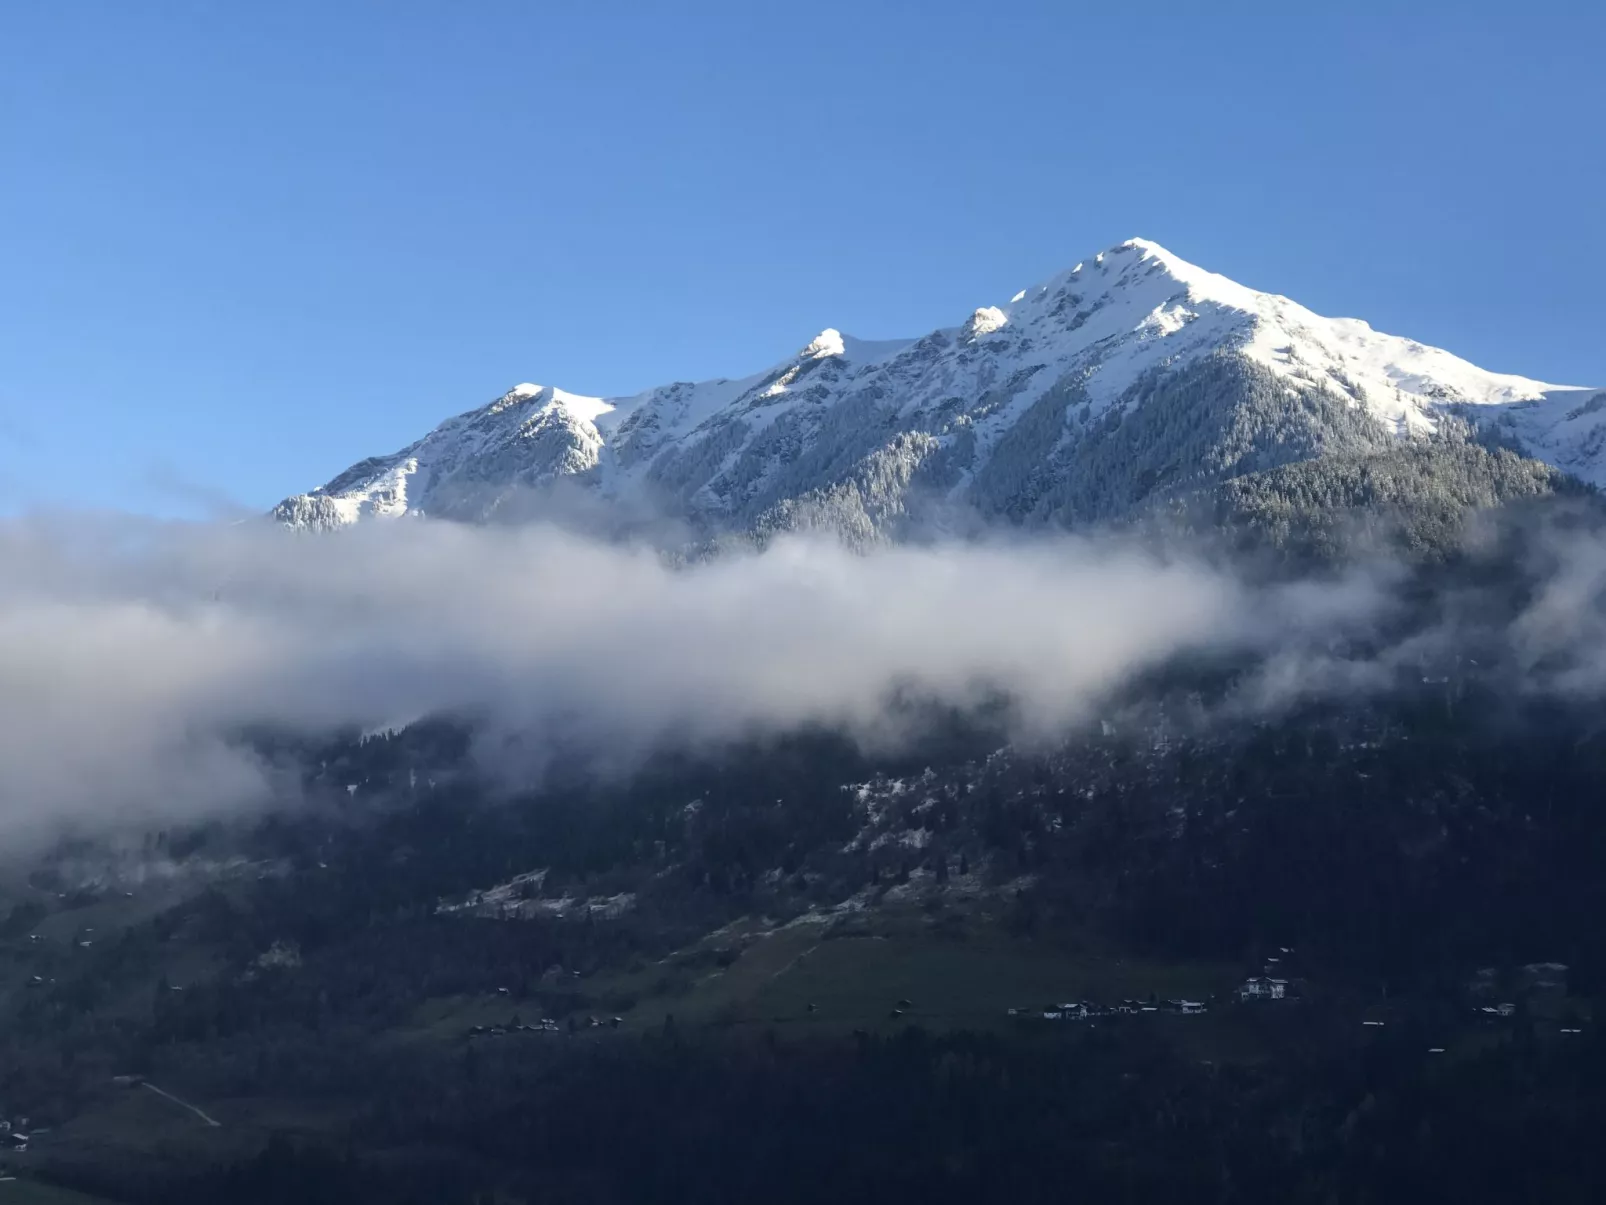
[[131, 651]]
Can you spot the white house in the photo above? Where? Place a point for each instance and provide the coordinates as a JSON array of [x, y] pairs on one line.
[[1259, 987]]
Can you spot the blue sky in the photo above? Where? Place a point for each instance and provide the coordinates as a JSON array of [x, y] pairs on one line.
[[243, 245]]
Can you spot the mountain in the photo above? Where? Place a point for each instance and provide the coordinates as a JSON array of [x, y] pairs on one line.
[[1131, 376]]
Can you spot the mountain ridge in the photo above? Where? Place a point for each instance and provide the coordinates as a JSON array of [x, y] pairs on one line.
[[995, 414]]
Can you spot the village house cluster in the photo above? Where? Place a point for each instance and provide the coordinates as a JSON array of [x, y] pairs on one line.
[[544, 1025], [1266, 986], [1084, 1010]]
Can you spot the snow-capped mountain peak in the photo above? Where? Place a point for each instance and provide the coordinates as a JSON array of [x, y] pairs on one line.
[[827, 343], [984, 322], [544, 396], [1009, 412]]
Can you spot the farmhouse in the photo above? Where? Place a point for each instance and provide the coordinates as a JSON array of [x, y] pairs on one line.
[[1259, 987]]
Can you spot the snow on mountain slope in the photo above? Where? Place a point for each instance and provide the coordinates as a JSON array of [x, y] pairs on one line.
[[1017, 410]]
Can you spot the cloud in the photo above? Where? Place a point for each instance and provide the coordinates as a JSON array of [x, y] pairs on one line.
[[1559, 639], [131, 651]]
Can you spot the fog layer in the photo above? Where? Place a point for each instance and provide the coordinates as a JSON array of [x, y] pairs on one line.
[[131, 652]]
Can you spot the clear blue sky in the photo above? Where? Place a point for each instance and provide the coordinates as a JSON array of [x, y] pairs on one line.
[[244, 244]]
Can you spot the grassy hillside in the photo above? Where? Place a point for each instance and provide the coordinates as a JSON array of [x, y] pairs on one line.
[[32, 1192]]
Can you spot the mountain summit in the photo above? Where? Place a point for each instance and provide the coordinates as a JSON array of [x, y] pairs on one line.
[[1131, 375]]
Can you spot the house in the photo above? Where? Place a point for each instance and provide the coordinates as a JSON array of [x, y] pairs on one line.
[[1259, 987], [1191, 1008]]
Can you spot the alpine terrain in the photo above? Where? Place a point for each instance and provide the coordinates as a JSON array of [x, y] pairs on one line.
[[1131, 378], [1302, 907]]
